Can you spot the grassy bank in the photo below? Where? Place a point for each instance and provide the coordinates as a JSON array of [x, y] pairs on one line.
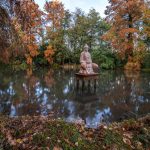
[[45, 133]]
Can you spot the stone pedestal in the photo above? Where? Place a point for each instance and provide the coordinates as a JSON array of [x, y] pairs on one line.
[[86, 81]]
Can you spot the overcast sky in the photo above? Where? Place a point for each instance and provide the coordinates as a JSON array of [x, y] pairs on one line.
[[85, 5]]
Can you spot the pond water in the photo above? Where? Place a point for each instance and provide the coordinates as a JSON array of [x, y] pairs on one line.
[[118, 95]]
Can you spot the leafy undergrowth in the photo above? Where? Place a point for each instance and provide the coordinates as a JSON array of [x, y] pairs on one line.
[[44, 133]]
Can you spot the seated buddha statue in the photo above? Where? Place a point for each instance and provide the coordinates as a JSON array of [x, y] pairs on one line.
[[87, 67]]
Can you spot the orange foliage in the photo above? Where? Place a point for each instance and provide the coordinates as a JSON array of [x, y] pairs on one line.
[[55, 13], [54, 17], [48, 53], [33, 50], [27, 22], [146, 18], [122, 33], [29, 60], [124, 16]]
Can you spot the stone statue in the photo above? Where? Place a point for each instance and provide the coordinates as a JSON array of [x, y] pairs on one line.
[[87, 67]]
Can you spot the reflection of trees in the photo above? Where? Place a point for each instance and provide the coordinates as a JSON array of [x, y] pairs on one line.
[[123, 94], [48, 78], [6, 92], [42, 91], [34, 93], [25, 99], [62, 90]]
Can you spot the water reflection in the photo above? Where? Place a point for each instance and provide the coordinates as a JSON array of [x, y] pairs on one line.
[[118, 95]]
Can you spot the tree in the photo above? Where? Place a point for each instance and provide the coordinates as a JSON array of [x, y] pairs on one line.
[[146, 23], [27, 22], [54, 17], [85, 28], [96, 28], [7, 33], [125, 17], [4, 35]]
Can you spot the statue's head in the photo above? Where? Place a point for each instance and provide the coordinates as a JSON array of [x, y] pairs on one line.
[[86, 47]]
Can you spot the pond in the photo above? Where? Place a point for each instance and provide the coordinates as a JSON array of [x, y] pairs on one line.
[[118, 95]]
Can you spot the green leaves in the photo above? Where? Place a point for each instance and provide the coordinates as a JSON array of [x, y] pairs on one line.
[[104, 57]]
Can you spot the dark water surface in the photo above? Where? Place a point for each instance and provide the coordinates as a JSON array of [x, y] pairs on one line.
[[119, 95]]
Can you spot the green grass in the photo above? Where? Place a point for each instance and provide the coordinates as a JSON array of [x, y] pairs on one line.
[[45, 133]]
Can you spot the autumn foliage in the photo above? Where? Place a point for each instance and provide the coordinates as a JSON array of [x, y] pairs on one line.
[[126, 18], [49, 53], [54, 13], [27, 22], [146, 19], [41, 132], [24, 28]]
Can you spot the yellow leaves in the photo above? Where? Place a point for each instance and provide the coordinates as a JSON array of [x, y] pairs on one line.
[[134, 66], [19, 141]]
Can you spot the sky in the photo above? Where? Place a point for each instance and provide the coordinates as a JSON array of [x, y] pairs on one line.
[[85, 5]]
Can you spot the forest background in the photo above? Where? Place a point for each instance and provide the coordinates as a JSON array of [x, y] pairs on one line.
[[55, 36]]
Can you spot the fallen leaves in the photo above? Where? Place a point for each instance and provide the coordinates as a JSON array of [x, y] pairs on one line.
[[126, 141], [40, 132], [57, 148], [128, 135]]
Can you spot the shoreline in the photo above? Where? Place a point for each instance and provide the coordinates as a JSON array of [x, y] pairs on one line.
[[39, 132]]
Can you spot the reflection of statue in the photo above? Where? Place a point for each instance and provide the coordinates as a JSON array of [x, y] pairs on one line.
[[86, 62]]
